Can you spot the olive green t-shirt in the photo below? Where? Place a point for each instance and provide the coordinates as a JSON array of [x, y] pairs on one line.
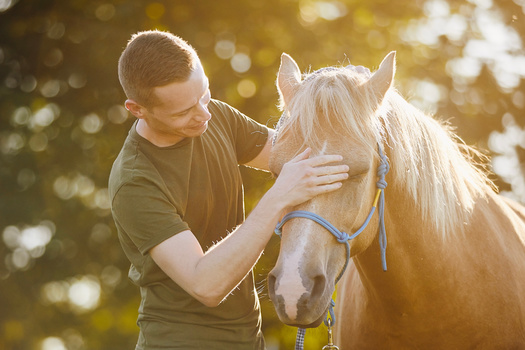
[[157, 192]]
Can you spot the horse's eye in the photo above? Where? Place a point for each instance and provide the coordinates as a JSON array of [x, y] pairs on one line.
[[357, 177]]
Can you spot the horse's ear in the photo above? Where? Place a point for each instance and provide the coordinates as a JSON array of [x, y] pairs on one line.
[[384, 76], [288, 78]]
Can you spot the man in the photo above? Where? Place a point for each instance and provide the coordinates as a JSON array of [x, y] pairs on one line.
[[177, 200]]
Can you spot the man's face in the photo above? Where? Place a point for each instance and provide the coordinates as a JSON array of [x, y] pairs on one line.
[[182, 109]]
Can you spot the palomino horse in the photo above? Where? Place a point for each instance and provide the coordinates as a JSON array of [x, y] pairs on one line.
[[456, 249]]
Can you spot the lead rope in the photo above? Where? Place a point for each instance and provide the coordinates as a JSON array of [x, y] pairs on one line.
[[299, 339], [381, 184], [343, 237]]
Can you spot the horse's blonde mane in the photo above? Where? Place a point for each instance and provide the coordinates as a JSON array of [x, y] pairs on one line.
[[430, 163]]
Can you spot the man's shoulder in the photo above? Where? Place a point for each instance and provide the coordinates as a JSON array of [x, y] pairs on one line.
[[220, 108], [218, 104], [129, 166]]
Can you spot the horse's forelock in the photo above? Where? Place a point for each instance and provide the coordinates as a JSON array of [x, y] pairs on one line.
[[332, 100]]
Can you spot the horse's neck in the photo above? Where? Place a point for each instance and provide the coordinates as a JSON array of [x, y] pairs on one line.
[[422, 266], [410, 250], [467, 290]]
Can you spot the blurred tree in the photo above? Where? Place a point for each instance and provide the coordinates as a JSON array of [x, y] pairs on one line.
[[62, 123]]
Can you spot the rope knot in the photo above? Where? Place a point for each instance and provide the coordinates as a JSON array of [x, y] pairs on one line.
[[343, 237], [381, 184], [331, 313], [382, 170]]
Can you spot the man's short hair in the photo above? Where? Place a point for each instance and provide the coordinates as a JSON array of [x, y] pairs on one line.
[[154, 58]]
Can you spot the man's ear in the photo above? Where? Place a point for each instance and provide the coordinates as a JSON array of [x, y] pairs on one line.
[[134, 108]]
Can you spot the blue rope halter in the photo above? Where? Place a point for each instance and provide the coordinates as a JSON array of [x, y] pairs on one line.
[[343, 237]]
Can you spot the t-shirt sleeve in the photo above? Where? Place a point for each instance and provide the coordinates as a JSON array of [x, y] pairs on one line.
[[251, 139], [249, 136], [146, 215]]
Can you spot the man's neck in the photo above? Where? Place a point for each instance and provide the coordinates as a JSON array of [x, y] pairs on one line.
[[158, 139]]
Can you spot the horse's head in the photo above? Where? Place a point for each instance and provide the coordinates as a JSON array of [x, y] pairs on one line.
[[333, 111]]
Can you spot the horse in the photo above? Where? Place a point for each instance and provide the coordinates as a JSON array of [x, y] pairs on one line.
[[455, 248]]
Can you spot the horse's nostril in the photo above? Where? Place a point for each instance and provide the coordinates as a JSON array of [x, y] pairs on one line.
[[319, 286]]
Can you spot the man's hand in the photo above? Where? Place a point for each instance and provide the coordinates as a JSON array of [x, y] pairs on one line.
[[303, 178]]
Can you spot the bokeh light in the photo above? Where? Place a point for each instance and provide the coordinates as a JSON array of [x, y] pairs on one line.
[[26, 243], [53, 343], [225, 49], [105, 12], [6, 4], [84, 293], [241, 62], [246, 88], [506, 161]]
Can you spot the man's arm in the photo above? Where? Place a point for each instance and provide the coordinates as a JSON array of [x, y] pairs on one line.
[[210, 276]]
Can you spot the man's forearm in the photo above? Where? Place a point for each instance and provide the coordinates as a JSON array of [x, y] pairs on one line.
[[226, 264]]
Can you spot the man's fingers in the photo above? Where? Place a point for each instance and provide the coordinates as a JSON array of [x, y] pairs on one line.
[[302, 156], [303, 178], [330, 179], [327, 188], [332, 169], [317, 160], [321, 160]]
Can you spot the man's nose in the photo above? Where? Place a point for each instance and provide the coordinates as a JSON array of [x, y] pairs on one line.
[[203, 113]]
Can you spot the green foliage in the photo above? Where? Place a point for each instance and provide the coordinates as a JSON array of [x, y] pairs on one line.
[[62, 273]]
